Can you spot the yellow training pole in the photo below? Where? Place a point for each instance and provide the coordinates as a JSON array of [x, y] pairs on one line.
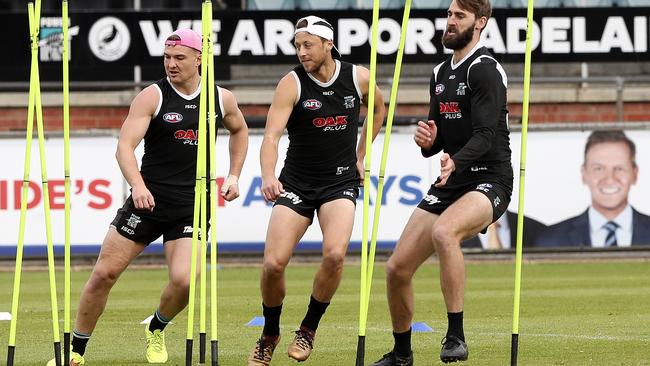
[[200, 173], [66, 173], [514, 348], [366, 185], [384, 154], [25, 187], [46, 196], [214, 197]]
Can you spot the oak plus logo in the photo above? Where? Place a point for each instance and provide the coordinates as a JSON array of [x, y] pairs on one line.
[[450, 110], [312, 104], [172, 117], [331, 123], [187, 137], [109, 39]]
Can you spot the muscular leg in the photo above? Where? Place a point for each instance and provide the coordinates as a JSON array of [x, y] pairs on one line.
[[286, 227], [116, 254], [175, 296], [413, 248], [463, 219], [336, 220]]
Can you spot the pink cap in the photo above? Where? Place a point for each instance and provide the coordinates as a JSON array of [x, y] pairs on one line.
[[188, 38]]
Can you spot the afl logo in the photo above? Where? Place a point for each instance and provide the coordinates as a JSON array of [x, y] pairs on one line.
[[439, 89], [172, 117], [312, 104]]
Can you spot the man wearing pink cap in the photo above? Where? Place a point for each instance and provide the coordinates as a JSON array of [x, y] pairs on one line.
[[318, 103], [165, 115]]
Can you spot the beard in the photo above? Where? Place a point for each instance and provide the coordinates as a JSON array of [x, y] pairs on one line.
[[459, 40]]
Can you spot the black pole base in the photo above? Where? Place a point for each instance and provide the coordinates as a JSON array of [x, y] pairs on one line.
[[66, 348], [514, 348], [201, 348], [188, 352], [57, 353], [361, 350], [10, 355], [214, 345]]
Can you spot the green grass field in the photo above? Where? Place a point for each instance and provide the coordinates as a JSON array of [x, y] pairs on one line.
[[572, 314]]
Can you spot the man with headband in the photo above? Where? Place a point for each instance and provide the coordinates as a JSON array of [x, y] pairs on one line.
[[166, 115], [318, 103]]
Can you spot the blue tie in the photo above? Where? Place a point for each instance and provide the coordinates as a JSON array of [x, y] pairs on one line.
[[610, 240]]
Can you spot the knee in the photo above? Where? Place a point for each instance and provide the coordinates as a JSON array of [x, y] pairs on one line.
[[444, 238], [180, 283], [274, 267], [397, 273], [333, 260], [103, 277]]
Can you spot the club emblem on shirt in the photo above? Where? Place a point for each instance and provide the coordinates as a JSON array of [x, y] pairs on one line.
[[348, 102], [461, 89], [439, 89]]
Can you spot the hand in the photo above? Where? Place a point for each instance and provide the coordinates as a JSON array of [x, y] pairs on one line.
[[361, 170], [447, 167], [142, 198], [425, 134], [230, 188], [271, 188]]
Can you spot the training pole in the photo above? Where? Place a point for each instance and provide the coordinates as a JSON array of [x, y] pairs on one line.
[[198, 187], [514, 347], [214, 197], [366, 185], [23, 199], [35, 27], [66, 173], [384, 157]]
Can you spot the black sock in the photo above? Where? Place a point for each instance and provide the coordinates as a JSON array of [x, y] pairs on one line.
[[315, 312], [79, 341], [271, 320], [402, 343], [455, 326], [158, 321]]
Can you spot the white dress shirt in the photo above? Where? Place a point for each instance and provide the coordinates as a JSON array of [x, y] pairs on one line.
[[599, 233]]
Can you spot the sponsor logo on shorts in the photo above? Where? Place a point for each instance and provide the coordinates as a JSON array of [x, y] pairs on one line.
[[485, 187], [172, 117], [312, 104], [478, 168], [439, 89], [341, 169], [133, 221], [431, 199], [348, 192], [188, 229], [331, 123], [127, 230], [294, 198], [497, 201]]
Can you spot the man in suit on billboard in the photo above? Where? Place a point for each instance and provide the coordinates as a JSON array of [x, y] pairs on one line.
[[502, 234], [609, 170]]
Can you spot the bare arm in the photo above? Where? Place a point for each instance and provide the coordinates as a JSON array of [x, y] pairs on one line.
[[276, 121], [133, 130], [363, 77], [234, 122]]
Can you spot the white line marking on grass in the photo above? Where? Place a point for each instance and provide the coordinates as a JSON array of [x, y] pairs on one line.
[[540, 335], [5, 316]]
